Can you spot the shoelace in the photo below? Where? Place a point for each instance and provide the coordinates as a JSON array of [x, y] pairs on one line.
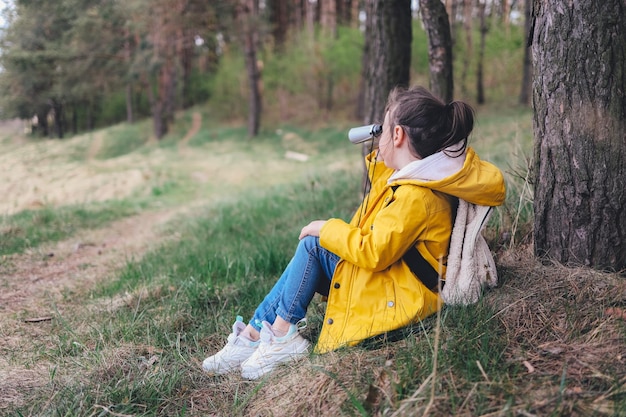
[[267, 333]]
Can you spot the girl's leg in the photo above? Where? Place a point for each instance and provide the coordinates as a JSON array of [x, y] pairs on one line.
[[309, 271]]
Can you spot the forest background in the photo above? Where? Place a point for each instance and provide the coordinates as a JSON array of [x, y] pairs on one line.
[[129, 246], [78, 65]]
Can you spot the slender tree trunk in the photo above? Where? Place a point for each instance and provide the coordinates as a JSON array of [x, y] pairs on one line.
[[437, 26], [309, 12], [506, 15], [480, 87], [279, 22], [469, 43], [163, 36], [328, 16], [298, 11], [527, 68], [354, 14], [129, 103], [345, 12], [387, 56], [170, 89], [248, 15], [59, 118], [74, 120], [185, 52], [45, 126], [451, 9], [579, 51], [91, 123], [388, 50], [129, 85]]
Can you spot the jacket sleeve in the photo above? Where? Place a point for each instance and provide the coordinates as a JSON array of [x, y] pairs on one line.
[[395, 228]]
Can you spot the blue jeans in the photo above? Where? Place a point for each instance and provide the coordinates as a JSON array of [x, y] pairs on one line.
[[309, 271]]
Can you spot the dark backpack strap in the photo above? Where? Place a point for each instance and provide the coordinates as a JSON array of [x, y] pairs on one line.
[[420, 266], [422, 269]]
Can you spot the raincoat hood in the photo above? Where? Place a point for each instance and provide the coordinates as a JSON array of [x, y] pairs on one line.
[[477, 182]]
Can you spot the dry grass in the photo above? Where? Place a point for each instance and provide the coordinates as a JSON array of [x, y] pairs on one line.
[[565, 355], [563, 332]]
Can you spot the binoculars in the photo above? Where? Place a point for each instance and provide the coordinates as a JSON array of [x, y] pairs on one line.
[[364, 133]]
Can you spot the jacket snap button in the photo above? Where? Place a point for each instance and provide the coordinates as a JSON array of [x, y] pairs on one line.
[[390, 304], [329, 321], [337, 285]]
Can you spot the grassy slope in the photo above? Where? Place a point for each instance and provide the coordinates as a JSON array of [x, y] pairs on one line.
[[544, 343]]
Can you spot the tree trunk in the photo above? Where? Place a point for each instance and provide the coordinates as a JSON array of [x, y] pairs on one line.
[[527, 69], [309, 17], [435, 19], [74, 120], [387, 57], [506, 11], [279, 21], [579, 51], [345, 12], [480, 87], [388, 49], [59, 118], [42, 121], [129, 103], [91, 118], [469, 43], [129, 87], [354, 14], [185, 51], [248, 15], [297, 14], [163, 36], [328, 16], [451, 9]]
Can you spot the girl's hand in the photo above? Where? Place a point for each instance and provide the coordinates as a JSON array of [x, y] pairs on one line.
[[312, 229]]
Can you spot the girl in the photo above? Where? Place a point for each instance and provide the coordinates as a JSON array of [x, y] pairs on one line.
[[376, 270]]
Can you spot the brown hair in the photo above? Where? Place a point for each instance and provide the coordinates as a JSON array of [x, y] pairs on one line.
[[431, 125]]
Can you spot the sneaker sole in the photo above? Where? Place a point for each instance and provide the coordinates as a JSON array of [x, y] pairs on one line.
[[256, 373]]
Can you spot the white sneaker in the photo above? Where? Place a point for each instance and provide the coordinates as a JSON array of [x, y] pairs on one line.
[[236, 351], [275, 350]]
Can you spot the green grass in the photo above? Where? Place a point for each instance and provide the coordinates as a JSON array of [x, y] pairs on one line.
[[32, 228], [133, 344], [124, 139], [224, 262], [236, 251]]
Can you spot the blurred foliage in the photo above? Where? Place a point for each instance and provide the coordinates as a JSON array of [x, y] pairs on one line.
[[95, 63]]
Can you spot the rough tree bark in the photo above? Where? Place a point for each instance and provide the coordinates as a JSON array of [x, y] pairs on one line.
[[387, 53], [579, 95], [435, 19], [386, 57]]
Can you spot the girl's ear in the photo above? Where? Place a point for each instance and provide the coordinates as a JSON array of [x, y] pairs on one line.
[[398, 135]]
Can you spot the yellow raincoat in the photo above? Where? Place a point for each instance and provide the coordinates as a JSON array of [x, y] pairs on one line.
[[373, 290]]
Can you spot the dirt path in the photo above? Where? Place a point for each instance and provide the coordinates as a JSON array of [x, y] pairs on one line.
[[53, 280], [196, 124], [29, 281], [81, 260]]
